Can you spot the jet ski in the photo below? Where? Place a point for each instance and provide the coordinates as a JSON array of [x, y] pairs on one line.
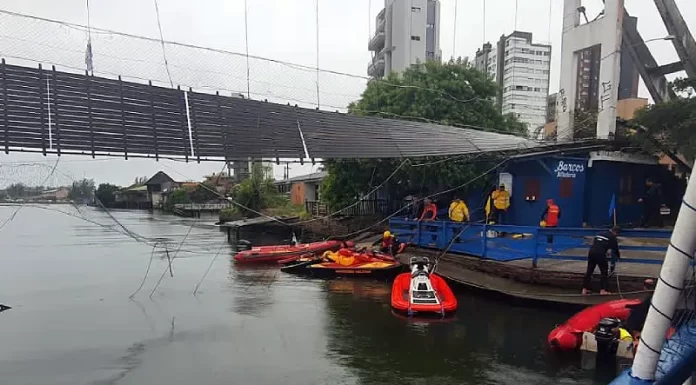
[[421, 292]]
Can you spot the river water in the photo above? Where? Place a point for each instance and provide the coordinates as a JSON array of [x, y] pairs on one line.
[[69, 279]]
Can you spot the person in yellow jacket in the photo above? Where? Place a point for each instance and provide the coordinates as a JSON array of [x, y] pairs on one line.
[[458, 211], [497, 205]]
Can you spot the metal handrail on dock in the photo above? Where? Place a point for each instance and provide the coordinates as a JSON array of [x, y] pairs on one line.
[[504, 243]]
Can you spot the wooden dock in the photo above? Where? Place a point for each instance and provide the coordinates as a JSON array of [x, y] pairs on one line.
[[552, 282]]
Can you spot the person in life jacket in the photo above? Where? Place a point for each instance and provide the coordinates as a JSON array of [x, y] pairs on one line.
[[498, 203], [429, 211], [458, 211], [603, 242], [389, 244], [549, 218]]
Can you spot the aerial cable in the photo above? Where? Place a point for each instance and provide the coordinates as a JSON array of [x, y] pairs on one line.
[[164, 51], [246, 46]]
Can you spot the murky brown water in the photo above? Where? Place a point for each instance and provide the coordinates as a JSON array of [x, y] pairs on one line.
[[72, 322]]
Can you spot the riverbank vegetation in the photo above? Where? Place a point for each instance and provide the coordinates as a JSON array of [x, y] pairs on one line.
[[452, 93], [258, 194]]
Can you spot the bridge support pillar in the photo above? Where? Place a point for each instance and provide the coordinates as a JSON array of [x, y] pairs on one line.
[[605, 32]]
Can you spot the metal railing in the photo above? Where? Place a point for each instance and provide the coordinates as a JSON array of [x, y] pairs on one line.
[[509, 242], [363, 208]]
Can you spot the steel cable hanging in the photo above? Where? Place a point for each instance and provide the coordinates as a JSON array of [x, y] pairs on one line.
[[164, 51], [246, 47]]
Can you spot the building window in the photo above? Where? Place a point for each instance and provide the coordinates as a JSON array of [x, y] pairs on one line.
[[430, 25], [566, 188], [416, 38], [532, 188], [415, 9]]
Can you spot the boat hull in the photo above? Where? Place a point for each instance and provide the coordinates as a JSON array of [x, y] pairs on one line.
[[270, 254], [375, 270], [400, 300], [569, 335]]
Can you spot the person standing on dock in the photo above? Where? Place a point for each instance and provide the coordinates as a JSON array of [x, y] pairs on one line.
[[429, 211], [500, 200], [602, 243], [458, 211], [549, 218]]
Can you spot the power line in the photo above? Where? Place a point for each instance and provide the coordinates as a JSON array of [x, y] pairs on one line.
[[317, 50], [164, 51], [454, 33], [246, 46]]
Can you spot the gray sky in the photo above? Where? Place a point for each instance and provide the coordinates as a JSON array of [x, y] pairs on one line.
[[278, 29]]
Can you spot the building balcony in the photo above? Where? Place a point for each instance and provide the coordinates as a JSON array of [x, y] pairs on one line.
[[381, 23], [376, 44], [376, 67]]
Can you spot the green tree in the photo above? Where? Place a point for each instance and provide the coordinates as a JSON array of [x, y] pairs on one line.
[[16, 190], [203, 193], [257, 192], [82, 190], [670, 126], [106, 194], [452, 93], [180, 196]]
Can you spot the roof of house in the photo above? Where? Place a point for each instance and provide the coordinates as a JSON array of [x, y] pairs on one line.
[[159, 178], [315, 176]]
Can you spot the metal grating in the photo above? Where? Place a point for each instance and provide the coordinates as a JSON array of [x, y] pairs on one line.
[[50, 111]]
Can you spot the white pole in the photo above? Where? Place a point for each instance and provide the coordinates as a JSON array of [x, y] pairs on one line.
[[670, 285]]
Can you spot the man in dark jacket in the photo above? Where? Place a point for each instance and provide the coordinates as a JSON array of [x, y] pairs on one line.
[[602, 243], [651, 201]]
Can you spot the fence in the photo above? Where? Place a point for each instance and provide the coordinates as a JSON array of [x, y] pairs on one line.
[[362, 208], [519, 242]]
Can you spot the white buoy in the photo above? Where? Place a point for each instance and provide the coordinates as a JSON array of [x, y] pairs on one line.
[[670, 285]]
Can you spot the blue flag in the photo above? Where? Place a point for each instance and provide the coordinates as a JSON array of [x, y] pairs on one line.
[[612, 205]]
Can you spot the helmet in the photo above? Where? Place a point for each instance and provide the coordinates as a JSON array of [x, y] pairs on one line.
[[387, 234]]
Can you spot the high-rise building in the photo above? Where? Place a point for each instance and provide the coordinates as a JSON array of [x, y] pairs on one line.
[[406, 32], [521, 69]]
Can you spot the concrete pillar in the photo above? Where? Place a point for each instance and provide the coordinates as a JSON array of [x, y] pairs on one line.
[[607, 33]]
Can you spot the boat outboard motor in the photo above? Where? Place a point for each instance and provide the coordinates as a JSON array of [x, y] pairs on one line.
[[607, 339], [243, 244]]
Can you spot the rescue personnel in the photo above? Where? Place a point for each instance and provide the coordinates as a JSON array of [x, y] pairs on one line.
[[389, 244], [549, 218], [603, 242], [501, 201], [458, 211], [429, 211], [636, 318], [651, 202]]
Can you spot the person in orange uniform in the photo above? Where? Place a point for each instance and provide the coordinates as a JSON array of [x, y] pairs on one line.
[[429, 211], [550, 217]]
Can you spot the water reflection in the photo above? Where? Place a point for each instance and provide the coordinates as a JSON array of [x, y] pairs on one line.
[[72, 323]]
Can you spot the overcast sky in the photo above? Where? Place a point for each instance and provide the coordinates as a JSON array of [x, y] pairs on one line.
[[278, 29]]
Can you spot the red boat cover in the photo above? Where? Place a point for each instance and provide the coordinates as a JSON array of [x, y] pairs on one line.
[[569, 335], [276, 253]]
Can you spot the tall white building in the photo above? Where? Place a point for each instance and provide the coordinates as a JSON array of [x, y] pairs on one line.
[[406, 32], [521, 69]]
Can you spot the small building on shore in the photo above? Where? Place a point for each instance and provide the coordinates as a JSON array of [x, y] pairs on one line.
[[303, 188], [133, 197], [584, 184], [159, 186]]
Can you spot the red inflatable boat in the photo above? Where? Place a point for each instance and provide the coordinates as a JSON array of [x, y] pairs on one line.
[[422, 292], [264, 254], [569, 335]]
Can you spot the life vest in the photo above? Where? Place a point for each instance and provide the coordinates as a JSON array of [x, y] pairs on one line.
[[431, 209], [458, 211], [501, 199], [552, 216], [388, 243]]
